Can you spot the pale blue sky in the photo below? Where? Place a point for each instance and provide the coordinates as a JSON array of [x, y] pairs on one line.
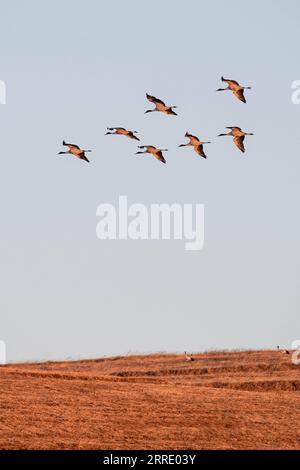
[[72, 68]]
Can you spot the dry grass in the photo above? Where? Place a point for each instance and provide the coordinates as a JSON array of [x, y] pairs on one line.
[[222, 400]]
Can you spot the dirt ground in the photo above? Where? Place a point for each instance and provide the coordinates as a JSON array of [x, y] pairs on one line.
[[221, 400]]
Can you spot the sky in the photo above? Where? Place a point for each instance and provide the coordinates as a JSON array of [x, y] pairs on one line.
[[74, 68]]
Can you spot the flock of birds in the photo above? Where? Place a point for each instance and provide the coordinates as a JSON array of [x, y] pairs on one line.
[[236, 132]]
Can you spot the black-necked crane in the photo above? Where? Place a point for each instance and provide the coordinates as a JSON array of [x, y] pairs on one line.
[[283, 351], [160, 106], [238, 136], [188, 358], [236, 88], [122, 131], [76, 151], [157, 153], [196, 143]]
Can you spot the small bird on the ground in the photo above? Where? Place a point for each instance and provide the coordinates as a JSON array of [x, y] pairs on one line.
[[76, 151], [157, 153], [196, 143], [238, 136], [188, 358], [160, 106], [283, 351], [122, 131], [236, 88]]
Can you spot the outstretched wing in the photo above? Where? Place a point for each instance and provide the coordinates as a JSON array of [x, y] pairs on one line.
[[83, 157], [154, 100], [71, 145], [234, 127], [160, 157], [170, 111], [240, 95], [193, 139], [132, 136], [116, 128], [199, 150], [230, 82], [239, 142]]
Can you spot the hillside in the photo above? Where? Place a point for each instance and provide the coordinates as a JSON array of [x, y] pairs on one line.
[[222, 400]]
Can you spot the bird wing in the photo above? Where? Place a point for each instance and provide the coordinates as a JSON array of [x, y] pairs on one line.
[[191, 136], [160, 156], [83, 157], [240, 94], [132, 136], [230, 82], [170, 111], [154, 100], [71, 145], [239, 142], [199, 150], [194, 140], [234, 127]]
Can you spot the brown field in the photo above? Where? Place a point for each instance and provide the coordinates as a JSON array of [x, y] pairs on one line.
[[222, 400]]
